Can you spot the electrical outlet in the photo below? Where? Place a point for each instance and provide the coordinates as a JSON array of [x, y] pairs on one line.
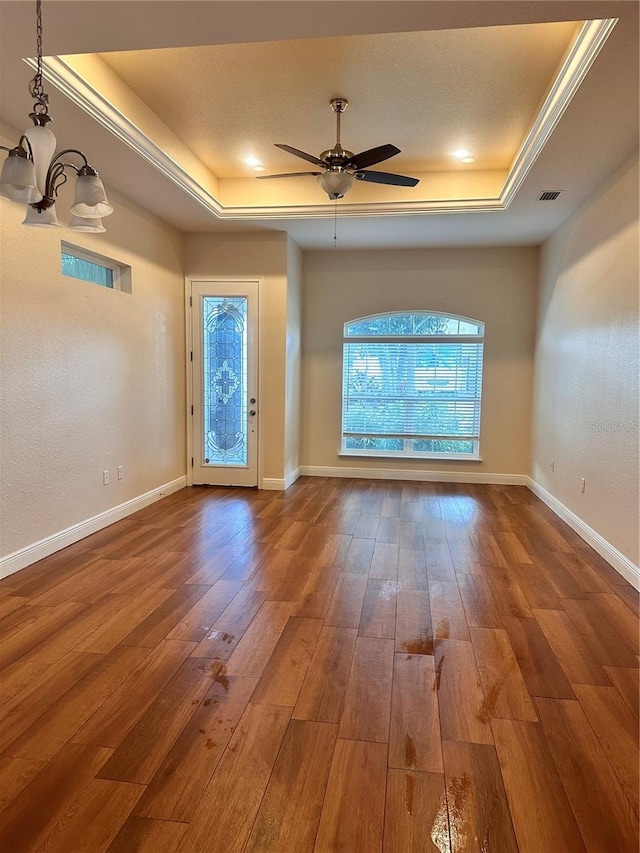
[[583, 485], [121, 472], [553, 465], [105, 478]]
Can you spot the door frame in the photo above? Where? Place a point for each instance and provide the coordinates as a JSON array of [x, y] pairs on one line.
[[188, 309]]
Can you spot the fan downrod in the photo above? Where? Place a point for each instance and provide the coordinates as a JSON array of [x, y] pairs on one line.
[[337, 156]]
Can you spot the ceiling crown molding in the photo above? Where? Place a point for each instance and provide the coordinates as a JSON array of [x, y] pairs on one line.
[[581, 56], [579, 59], [65, 78]]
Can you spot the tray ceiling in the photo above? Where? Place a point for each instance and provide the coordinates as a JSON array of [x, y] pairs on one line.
[[169, 99]]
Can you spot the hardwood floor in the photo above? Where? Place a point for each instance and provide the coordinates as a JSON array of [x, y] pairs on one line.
[[350, 665]]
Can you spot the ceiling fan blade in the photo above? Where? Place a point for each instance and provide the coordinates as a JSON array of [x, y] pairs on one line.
[[387, 178], [286, 175], [297, 153], [373, 156]]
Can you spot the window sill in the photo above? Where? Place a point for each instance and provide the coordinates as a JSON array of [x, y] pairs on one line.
[[437, 457]]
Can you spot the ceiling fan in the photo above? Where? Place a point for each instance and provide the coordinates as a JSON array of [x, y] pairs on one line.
[[340, 168]]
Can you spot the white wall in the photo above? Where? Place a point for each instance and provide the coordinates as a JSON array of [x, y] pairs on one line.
[[496, 286], [91, 378], [586, 363], [293, 386]]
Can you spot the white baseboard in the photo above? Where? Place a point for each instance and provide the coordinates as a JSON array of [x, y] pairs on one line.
[[609, 552], [280, 485], [423, 476], [38, 550], [291, 477], [273, 484]]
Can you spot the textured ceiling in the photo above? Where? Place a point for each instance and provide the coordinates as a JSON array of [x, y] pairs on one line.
[[428, 93], [596, 133]]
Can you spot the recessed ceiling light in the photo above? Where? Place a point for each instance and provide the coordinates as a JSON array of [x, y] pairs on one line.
[[468, 160], [252, 161], [461, 153], [258, 168]]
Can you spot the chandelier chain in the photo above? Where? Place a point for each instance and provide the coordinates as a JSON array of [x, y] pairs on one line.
[[36, 89]]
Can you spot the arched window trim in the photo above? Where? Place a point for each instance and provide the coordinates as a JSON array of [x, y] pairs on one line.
[[445, 316], [398, 402]]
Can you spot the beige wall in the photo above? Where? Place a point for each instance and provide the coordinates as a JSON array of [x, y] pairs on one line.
[[261, 255], [496, 286], [90, 378], [294, 331], [586, 364]]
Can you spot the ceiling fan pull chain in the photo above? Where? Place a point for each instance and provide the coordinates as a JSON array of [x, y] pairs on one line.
[[335, 225]]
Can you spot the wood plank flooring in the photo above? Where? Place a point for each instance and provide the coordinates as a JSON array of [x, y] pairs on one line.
[[351, 665]]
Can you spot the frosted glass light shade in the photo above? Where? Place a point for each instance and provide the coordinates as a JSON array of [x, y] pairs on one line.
[[43, 147], [90, 199], [18, 180], [80, 223], [41, 219], [336, 184]]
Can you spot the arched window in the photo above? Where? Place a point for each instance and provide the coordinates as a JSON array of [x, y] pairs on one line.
[[412, 384]]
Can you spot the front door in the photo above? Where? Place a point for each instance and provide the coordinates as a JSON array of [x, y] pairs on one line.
[[224, 317]]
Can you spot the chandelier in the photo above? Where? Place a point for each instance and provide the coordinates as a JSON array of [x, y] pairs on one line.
[[34, 172]]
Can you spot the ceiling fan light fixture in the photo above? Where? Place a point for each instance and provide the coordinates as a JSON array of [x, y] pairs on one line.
[[342, 167], [336, 183]]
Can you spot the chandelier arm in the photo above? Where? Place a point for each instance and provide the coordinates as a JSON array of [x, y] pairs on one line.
[[20, 150], [55, 179], [60, 154], [56, 171], [28, 148], [61, 182]]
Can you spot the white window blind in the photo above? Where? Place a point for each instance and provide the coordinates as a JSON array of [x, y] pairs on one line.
[[414, 377]]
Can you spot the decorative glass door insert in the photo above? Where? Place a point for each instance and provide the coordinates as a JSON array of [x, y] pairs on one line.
[[224, 374], [225, 380]]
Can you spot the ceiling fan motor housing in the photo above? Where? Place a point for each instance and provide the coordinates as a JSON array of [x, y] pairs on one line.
[[337, 156]]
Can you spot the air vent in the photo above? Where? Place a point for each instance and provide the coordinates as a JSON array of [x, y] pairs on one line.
[[550, 195]]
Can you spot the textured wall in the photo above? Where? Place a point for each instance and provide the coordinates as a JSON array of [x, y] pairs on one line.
[[294, 330], [586, 364], [90, 378], [264, 255], [496, 286]]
